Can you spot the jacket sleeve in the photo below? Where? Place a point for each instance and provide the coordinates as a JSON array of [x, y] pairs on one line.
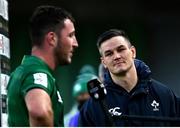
[[92, 114]]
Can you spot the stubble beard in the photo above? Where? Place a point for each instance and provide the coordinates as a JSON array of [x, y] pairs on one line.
[[60, 58]]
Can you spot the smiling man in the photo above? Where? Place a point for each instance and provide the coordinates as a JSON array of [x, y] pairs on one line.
[[130, 88], [33, 95]]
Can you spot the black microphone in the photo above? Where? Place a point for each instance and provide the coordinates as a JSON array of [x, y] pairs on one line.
[[98, 92]]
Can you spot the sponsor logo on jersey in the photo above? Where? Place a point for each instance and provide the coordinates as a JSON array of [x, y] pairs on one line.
[[115, 111], [40, 78]]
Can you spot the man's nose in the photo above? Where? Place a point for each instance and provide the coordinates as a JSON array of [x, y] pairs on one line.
[[75, 43], [117, 55]]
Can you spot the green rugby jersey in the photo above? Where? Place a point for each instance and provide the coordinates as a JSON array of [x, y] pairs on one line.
[[32, 73]]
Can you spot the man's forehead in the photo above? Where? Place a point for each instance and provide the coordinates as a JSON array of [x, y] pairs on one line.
[[68, 26], [114, 42]]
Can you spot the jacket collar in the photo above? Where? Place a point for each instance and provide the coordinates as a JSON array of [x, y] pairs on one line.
[[143, 72]]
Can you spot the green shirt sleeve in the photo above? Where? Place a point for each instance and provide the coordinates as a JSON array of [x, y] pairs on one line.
[[37, 80]]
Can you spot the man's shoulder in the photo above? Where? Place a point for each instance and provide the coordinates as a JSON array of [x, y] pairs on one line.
[[159, 85], [25, 70], [161, 88]]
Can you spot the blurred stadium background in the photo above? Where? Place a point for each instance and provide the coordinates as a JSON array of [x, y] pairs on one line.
[[153, 27]]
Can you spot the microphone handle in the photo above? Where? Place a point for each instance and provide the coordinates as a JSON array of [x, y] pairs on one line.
[[108, 117]]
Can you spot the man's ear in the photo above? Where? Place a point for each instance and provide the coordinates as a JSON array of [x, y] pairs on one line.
[[103, 62], [133, 50], [52, 39]]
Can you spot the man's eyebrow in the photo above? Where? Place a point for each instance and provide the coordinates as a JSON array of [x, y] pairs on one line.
[[120, 46]]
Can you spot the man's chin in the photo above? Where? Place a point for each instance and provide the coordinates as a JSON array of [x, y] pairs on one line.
[[68, 61], [121, 72], [65, 62]]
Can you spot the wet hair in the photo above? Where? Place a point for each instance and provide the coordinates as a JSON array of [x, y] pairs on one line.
[[45, 19], [109, 34]]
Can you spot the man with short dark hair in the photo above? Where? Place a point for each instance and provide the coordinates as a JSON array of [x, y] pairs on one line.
[[33, 95], [130, 89]]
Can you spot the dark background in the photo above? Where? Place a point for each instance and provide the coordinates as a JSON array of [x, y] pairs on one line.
[[153, 27]]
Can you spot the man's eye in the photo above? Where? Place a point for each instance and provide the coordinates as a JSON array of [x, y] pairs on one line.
[[108, 54], [71, 34], [121, 49]]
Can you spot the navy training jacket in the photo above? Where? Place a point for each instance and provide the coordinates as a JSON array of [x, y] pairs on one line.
[[148, 98]]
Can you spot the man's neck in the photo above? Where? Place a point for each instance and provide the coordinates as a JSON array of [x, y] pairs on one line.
[[45, 56], [128, 81]]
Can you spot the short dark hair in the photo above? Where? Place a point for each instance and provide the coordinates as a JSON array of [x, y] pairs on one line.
[[45, 19], [109, 34]]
